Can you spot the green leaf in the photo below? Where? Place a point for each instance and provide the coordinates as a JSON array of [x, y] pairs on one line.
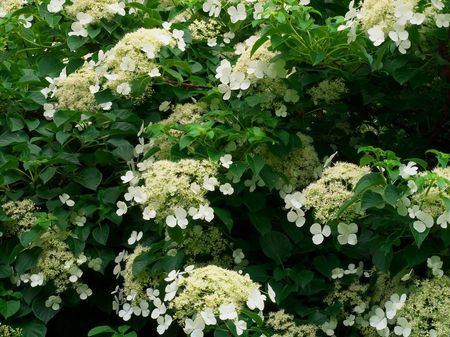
[[256, 163], [225, 216], [75, 42], [101, 234], [100, 329], [47, 174], [253, 315], [261, 222], [392, 194], [382, 257], [302, 277], [371, 199], [418, 237], [276, 246], [27, 259], [89, 178], [41, 311], [9, 308], [33, 328], [369, 180]]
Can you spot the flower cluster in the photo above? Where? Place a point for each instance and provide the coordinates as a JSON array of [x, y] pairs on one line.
[[249, 69], [328, 91], [427, 308], [172, 190], [9, 6], [58, 265], [336, 185], [383, 19], [284, 325], [300, 166], [97, 10], [21, 215], [9, 331]]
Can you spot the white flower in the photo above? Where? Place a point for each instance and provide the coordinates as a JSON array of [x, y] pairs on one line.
[[225, 90], [241, 326], [433, 333], [444, 219], [194, 327], [204, 213], [26, 20], [178, 219], [211, 42], [135, 237], [36, 280], [93, 89], [123, 89], [49, 110], [163, 323], [438, 4], [347, 234], [160, 309], [118, 8], [149, 50], [164, 106], [126, 312], [376, 35], [121, 208], [171, 291], [226, 160], [84, 291], [442, 20], [227, 311], [178, 35], [337, 273], [65, 199], [226, 189], [417, 19], [55, 6], [223, 71], [53, 302], [297, 216], [127, 64], [378, 320], [152, 293], [424, 221], [238, 255], [84, 18], [237, 13], [75, 273], [351, 269], [281, 111], [395, 303], [295, 200], [435, 264], [154, 73], [238, 81], [106, 105], [148, 213], [305, 2], [256, 299], [403, 327], [408, 170], [210, 183], [129, 176], [329, 327], [208, 316], [291, 95], [271, 293], [227, 37], [142, 309], [319, 233], [349, 321], [212, 7]]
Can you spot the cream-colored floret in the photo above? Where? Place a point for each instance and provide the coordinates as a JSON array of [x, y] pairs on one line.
[[73, 92], [210, 287], [285, 326], [299, 166], [335, 186], [97, 9], [8, 331], [328, 91], [428, 307], [131, 46], [9, 6], [21, 214], [168, 185]]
